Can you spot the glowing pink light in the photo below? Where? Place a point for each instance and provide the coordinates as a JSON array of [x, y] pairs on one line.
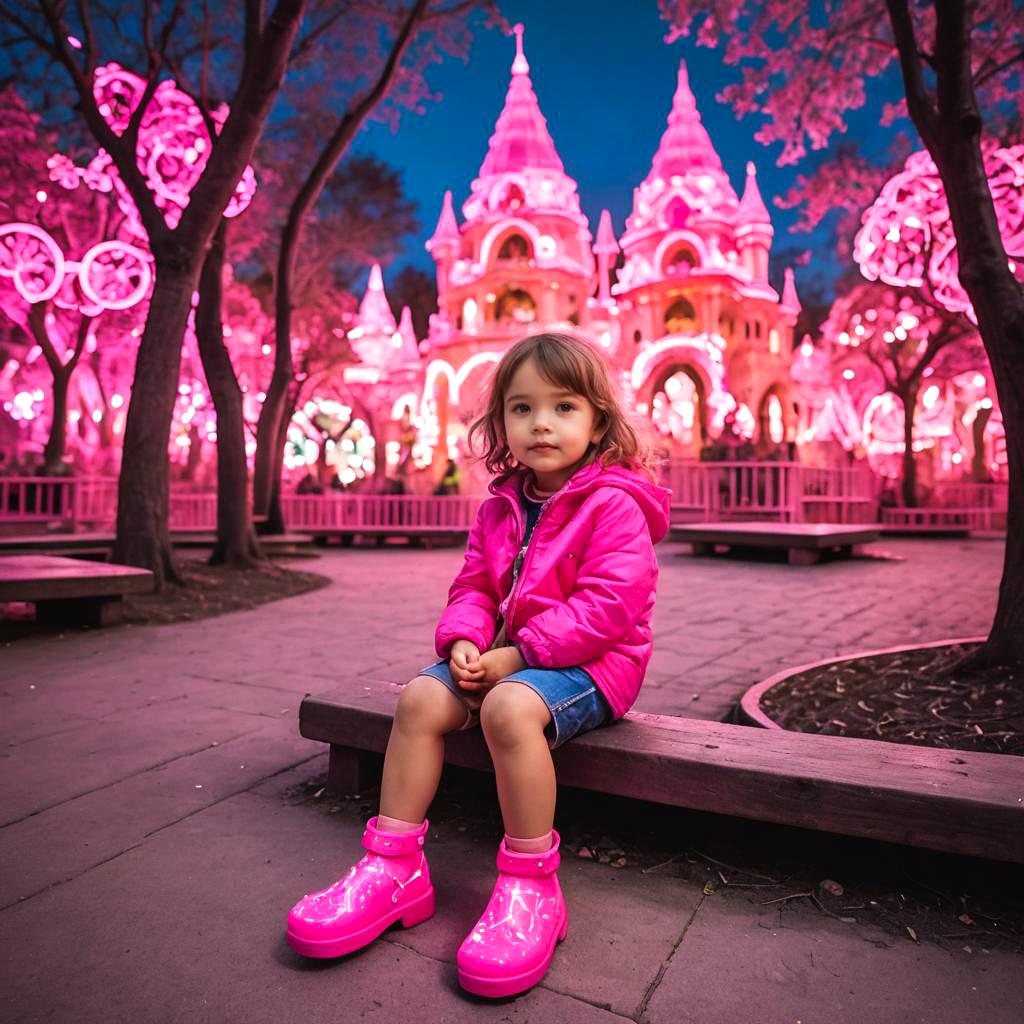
[[906, 237], [111, 275]]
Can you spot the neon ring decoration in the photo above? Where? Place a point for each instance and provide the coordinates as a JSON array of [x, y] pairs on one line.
[[906, 237], [173, 146], [111, 275]]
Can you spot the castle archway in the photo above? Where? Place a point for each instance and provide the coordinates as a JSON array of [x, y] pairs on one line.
[[677, 408], [774, 417]]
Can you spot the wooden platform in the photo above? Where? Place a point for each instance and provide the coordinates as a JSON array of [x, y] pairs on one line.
[[272, 544], [68, 591], [942, 799], [804, 543], [414, 536], [93, 545]]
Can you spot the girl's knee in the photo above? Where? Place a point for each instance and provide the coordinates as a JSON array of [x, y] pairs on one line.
[[426, 704], [511, 711]]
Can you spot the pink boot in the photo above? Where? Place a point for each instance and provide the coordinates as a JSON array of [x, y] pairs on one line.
[[391, 882], [512, 944]]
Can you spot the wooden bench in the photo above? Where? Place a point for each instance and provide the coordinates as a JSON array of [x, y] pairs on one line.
[[804, 543], [949, 800], [92, 546], [67, 591]]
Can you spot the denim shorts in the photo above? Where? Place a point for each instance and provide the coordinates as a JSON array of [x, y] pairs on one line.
[[572, 697]]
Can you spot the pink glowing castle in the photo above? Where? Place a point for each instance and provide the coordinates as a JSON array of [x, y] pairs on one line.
[[691, 321]]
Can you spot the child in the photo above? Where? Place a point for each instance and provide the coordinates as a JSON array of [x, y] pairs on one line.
[[546, 635]]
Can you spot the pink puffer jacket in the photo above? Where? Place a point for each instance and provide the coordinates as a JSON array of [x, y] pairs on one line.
[[585, 593]]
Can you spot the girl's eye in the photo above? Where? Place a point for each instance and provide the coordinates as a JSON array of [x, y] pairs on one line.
[[567, 405], [520, 406]]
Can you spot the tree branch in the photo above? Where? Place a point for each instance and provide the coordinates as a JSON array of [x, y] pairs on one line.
[[123, 157], [919, 103]]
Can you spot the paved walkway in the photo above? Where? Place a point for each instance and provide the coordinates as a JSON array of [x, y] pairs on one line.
[[147, 857]]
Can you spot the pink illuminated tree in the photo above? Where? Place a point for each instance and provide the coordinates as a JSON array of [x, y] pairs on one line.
[[72, 274], [149, 155], [898, 341], [804, 70]]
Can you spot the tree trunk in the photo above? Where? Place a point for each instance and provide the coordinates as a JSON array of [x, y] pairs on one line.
[[909, 483], [142, 489], [951, 130], [275, 522], [979, 463], [236, 542], [56, 443]]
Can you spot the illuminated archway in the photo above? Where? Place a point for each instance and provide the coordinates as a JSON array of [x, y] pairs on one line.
[[677, 406], [772, 418]]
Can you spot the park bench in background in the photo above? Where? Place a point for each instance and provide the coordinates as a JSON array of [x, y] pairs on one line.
[[804, 543], [68, 591], [951, 800], [93, 546]]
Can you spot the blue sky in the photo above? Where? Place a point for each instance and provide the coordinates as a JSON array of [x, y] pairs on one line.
[[604, 77]]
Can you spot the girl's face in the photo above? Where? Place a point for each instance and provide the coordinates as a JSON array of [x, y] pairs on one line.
[[548, 428]]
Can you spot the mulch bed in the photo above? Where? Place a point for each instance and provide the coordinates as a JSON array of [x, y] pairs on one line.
[[917, 697], [207, 590]]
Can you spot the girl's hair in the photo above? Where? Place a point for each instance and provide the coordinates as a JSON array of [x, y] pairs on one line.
[[580, 367]]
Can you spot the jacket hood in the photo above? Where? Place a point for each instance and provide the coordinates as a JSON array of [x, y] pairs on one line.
[[654, 500]]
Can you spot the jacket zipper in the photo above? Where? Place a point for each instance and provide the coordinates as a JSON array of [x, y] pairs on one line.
[[517, 589]]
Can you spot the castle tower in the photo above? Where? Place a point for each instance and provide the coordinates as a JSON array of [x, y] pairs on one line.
[[522, 258], [700, 324], [754, 231]]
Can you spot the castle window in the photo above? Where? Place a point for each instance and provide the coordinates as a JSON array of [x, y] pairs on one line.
[[773, 341], [680, 262], [677, 213], [512, 198], [514, 249], [757, 328], [515, 305], [637, 337], [680, 317]]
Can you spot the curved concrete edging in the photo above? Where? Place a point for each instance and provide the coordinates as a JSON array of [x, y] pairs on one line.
[[750, 712]]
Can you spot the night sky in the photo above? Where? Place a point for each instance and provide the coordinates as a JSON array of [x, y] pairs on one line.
[[604, 78]]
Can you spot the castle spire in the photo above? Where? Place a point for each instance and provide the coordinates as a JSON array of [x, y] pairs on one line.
[[685, 145], [521, 137], [790, 301], [606, 242], [752, 209], [374, 311], [447, 231], [410, 352]]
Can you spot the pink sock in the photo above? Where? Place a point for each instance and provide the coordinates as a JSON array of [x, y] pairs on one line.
[[539, 845], [395, 826]]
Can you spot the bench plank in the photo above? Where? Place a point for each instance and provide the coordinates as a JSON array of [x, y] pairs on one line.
[[68, 590], [957, 801], [814, 536]]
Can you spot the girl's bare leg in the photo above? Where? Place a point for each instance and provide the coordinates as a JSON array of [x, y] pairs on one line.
[[426, 710], [513, 717]]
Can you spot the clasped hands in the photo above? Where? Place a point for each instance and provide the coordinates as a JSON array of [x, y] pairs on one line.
[[476, 673]]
